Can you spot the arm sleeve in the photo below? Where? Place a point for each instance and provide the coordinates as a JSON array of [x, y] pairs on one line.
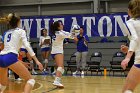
[[26, 43], [133, 38]]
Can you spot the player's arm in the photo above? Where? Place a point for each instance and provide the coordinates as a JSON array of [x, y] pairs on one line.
[[132, 46], [30, 50], [134, 40], [65, 34], [86, 39]]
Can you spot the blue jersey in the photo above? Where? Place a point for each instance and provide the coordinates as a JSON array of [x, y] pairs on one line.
[[81, 44]]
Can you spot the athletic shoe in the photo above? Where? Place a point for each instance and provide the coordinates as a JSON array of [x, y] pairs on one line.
[[34, 72], [76, 72], [18, 79], [54, 72], [82, 73], [58, 84]]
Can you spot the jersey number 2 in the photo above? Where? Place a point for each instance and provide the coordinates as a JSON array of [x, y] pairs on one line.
[[9, 37]]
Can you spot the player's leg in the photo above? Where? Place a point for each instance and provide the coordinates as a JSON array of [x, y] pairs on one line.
[[83, 61], [46, 59], [43, 56], [132, 80], [3, 79], [60, 69], [78, 63], [23, 72]]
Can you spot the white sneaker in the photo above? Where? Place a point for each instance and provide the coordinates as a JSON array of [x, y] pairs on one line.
[[34, 72], [53, 73], [58, 84], [128, 91], [9, 72], [76, 72], [18, 79], [82, 73]]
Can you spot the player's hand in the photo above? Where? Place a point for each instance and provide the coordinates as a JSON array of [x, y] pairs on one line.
[[40, 66], [124, 63]]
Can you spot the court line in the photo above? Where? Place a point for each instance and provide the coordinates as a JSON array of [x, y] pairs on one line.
[[50, 90], [41, 85]]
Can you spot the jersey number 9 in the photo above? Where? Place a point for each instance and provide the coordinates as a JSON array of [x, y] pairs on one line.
[[9, 37]]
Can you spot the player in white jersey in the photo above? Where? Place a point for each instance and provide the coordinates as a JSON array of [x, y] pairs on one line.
[[58, 36], [25, 55], [133, 78], [13, 39], [44, 43]]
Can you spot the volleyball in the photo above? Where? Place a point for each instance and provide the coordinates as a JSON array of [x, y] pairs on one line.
[[76, 28]]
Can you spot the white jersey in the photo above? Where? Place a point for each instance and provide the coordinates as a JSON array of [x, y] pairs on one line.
[[134, 36], [57, 41], [42, 38], [27, 40], [13, 40]]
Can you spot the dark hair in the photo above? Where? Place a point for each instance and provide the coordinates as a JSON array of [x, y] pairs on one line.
[[134, 7], [42, 31], [54, 27]]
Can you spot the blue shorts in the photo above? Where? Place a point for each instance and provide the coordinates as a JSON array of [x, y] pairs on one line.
[[137, 65], [45, 49], [23, 49], [8, 59], [53, 55]]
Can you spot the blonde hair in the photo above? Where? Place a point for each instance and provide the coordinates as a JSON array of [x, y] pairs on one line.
[[11, 19], [134, 8]]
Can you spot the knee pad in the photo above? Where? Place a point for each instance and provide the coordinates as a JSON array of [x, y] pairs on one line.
[[60, 69], [128, 91], [31, 82], [2, 88]]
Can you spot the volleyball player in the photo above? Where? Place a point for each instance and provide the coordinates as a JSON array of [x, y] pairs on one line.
[[13, 39], [58, 36], [133, 78]]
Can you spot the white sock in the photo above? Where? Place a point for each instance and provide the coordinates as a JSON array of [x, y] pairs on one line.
[[2, 88], [128, 91]]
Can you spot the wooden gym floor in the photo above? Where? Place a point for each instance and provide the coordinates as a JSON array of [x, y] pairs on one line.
[[86, 84]]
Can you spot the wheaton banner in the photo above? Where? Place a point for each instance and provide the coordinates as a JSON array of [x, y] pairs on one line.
[[103, 25]]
